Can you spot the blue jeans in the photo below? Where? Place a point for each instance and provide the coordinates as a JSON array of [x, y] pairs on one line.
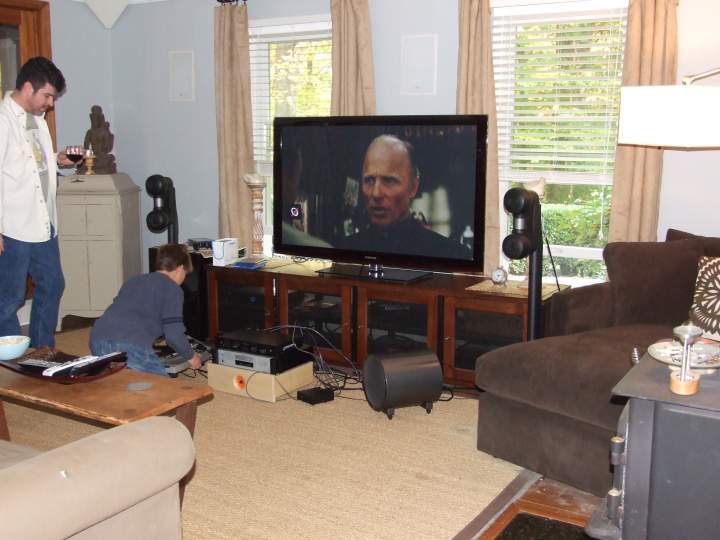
[[138, 358], [42, 261]]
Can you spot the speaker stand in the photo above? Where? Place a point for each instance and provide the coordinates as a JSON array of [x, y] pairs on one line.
[[535, 293]]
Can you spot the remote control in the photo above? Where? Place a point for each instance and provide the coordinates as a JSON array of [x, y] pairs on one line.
[[61, 369], [38, 364]]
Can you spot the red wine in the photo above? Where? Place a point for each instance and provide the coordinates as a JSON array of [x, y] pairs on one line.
[[74, 157]]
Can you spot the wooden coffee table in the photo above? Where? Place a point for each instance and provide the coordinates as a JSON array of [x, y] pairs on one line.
[[110, 400]]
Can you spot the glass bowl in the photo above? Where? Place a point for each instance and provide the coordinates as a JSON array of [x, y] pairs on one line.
[[12, 347]]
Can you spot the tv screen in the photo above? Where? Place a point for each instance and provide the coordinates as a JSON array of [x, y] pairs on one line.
[[400, 191]]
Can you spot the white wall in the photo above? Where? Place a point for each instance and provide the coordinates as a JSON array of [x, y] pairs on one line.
[[691, 180], [126, 71], [156, 135], [393, 21], [81, 49]]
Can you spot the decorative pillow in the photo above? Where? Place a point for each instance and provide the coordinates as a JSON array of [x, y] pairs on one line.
[[711, 245], [705, 311], [652, 282]]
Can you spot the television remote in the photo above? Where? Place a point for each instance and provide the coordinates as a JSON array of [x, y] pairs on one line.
[[38, 364]]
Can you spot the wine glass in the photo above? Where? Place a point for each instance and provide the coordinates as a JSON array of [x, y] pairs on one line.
[[75, 153]]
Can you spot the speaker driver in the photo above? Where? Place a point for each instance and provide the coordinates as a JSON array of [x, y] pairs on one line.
[[402, 379]]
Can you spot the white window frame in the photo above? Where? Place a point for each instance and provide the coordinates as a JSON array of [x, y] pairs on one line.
[[545, 7], [277, 29]]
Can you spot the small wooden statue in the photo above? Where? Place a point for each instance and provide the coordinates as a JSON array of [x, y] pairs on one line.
[[100, 140]]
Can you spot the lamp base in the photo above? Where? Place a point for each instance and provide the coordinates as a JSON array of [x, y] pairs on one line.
[[687, 387]]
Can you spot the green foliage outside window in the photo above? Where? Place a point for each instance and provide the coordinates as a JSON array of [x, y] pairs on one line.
[[301, 77], [573, 215]]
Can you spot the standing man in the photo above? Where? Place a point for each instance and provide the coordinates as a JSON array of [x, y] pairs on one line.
[[28, 216]]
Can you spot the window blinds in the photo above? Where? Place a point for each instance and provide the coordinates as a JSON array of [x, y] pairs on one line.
[[557, 80], [290, 70]]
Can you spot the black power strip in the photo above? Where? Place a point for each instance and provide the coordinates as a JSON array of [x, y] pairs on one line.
[[316, 395]]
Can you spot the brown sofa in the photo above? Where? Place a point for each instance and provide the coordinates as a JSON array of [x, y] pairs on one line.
[[117, 483], [547, 404]]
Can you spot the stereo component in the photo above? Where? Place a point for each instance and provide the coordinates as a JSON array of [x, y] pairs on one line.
[[256, 350]]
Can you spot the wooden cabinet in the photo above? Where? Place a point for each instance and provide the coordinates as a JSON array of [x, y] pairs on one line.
[[310, 305], [99, 233], [239, 299], [362, 317], [392, 318]]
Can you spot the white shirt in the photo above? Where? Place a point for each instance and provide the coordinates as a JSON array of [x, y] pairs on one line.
[[24, 213]]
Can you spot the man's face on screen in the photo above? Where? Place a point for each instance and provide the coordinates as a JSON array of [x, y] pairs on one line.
[[388, 184]]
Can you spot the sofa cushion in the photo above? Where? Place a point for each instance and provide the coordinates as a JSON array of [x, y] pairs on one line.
[[570, 375], [711, 245], [652, 282]]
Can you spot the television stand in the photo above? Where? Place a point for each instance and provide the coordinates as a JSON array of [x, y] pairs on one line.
[[361, 315], [374, 272]]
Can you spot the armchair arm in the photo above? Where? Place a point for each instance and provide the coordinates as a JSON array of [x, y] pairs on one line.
[[69, 489], [580, 309]]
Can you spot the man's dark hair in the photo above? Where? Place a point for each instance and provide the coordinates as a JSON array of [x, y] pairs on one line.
[[39, 71], [170, 256]]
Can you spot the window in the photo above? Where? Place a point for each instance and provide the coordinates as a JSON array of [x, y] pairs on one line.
[[558, 70], [291, 75]]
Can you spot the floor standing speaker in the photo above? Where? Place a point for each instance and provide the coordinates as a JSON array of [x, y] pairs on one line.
[[402, 379], [195, 308]]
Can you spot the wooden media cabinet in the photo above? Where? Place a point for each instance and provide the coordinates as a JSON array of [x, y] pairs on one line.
[[362, 316]]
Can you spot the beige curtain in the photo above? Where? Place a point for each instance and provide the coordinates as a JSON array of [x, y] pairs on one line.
[[650, 58], [353, 75], [476, 95], [233, 109]]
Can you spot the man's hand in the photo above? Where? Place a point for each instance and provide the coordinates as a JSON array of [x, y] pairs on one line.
[[195, 361], [2, 245], [63, 160]]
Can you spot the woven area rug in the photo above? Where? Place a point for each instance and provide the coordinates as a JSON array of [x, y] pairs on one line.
[[335, 470]]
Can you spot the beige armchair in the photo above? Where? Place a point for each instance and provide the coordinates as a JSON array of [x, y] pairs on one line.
[[115, 484]]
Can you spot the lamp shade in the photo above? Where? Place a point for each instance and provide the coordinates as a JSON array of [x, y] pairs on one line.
[[684, 116]]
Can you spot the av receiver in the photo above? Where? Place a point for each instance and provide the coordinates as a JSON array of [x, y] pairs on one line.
[[267, 352]]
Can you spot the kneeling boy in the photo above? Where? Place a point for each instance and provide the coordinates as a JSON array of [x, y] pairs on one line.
[[148, 306]]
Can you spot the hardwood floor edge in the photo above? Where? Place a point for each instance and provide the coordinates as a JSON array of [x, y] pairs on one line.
[[512, 492]]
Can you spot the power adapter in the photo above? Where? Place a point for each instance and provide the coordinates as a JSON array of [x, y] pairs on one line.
[[316, 395]]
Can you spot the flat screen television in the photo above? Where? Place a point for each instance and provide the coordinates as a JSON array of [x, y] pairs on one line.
[[381, 192]]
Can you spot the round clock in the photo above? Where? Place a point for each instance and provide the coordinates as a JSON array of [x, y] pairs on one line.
[[499, 276]]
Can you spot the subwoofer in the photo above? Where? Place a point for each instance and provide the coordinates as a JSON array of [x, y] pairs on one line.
[[401, 380]]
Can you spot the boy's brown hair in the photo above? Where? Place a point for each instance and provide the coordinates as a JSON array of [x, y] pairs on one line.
[[170, 256]]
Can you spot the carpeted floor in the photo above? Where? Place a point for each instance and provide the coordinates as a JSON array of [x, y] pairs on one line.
[[335, 470]]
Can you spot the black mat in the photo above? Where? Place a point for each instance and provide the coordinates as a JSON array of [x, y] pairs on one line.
[[528, 527]]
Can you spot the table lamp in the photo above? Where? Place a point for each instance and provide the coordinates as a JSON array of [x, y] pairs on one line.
[[683, 117]]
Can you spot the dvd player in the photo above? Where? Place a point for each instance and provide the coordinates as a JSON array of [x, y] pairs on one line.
[[266, 352]]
